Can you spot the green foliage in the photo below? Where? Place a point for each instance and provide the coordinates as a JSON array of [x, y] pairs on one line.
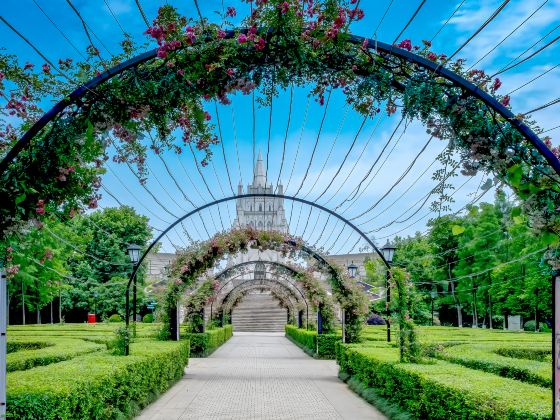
[[118, 345], [408, 347], [434, 391], [148, 319], [51, 350], [485, 357], [115, 318], [12, 347], [196, 301], [98, 385], [204, 344], [319, 345]]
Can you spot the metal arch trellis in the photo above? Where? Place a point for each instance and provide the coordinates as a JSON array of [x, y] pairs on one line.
[[262, 284], [377, 46]]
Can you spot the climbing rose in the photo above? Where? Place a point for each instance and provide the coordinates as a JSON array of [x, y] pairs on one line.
[[505, 100], [260, 44], [242, 38], [284, 7], [220, 34], [405, 44], [497, 84], [46, 69], [231, 11]]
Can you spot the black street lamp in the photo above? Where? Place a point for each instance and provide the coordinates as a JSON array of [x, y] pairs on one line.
[[388, 251], [352, 270], [433, 294], [134, 255]]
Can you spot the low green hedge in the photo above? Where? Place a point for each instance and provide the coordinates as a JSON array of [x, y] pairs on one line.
[[204, 344], [538, 354], [443, 390], [54, 351], [485, 357], [319, 345], [98, 385], [13, 346]]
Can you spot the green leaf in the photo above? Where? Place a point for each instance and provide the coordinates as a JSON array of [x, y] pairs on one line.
[[517, 220], [20, 198], [515, 173], [516, 211], [550, 238], [457, 230]]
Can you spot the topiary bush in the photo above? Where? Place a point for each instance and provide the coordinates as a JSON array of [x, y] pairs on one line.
[[317, 345], [375, 319], [115, 318], [148, 319], [97, 386], [204, 344]]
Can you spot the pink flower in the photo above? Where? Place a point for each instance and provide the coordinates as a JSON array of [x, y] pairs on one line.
[[9, 250], [260, 44], [220, 34], [496, 85], [427, 43], [40, 210], [242, 38], [180, 72], [28, 66], [432, 56], [505, 100], [405, 44], [230, 71], [207, 116], [46, 69], [231, 11], [284, 7]]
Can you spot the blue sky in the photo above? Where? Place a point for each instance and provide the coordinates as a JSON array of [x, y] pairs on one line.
[[340, 124]]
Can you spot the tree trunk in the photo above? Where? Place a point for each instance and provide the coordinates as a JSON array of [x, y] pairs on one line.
[[475, 312], [537, 310], [38, 312], [490, 311], [455, 299], [52, 312], [60, 305], [22, 303]]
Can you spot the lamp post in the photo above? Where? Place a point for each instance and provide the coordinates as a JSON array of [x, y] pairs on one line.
[[433, 294], [134, 255], [388, 251]]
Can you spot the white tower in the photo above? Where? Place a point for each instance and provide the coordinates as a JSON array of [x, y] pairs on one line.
[[263, 213]]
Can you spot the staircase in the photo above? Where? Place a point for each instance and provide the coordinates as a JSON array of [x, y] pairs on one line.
[[259, 312]]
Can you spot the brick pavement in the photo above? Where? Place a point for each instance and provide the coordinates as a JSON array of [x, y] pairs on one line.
[[260, 376]]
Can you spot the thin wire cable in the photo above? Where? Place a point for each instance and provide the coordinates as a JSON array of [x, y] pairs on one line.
[[285, 137], [115, 17], [139, 6], [513, 60], [480, 29], [299, 141], [87, 29], [527, 58], [382, 18], [447, 21], [409, 21], [533, 79], [316, 143], [539, 108], [508, 35]]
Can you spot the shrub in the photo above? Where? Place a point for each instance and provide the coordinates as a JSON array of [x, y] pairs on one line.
[[118, 345], [319, 345], [55, 350], [115, 318], [529, 325], [12, 347], [97, 385], [443, 390], [538, 354], [148, 319], [204, 344]]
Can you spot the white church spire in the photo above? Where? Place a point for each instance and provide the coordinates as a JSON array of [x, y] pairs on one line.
[[259, 176]]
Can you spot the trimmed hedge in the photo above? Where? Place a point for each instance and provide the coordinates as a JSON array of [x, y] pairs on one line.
[[443, 390], [54, 351], [538, 354], [485, 357], [13, 346], [318, 345], [204, 344], [97, 385]]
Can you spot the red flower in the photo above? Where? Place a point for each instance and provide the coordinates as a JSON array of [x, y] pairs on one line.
[[40, 210], [230, 71], [207, 116], [220, 34], [46, 69], [284, 7], [231, 11], [242, 38], [28, 66], [432, 56]]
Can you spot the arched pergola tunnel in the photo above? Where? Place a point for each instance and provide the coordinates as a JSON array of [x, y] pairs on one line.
[[356, 216]]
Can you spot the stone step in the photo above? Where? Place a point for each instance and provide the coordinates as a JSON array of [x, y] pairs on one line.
[[259, 312]]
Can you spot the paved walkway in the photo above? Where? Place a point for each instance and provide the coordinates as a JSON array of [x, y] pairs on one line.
[[260, 376]]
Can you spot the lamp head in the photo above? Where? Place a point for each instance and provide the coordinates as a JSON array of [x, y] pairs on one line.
[[134, 253], [388, 251]]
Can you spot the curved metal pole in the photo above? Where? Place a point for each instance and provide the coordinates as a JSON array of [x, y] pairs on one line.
[[256, 286], [233, 278], [315, 255], [371, 44]]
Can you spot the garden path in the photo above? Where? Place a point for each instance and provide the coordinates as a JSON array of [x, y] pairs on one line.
[[260, 376]]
